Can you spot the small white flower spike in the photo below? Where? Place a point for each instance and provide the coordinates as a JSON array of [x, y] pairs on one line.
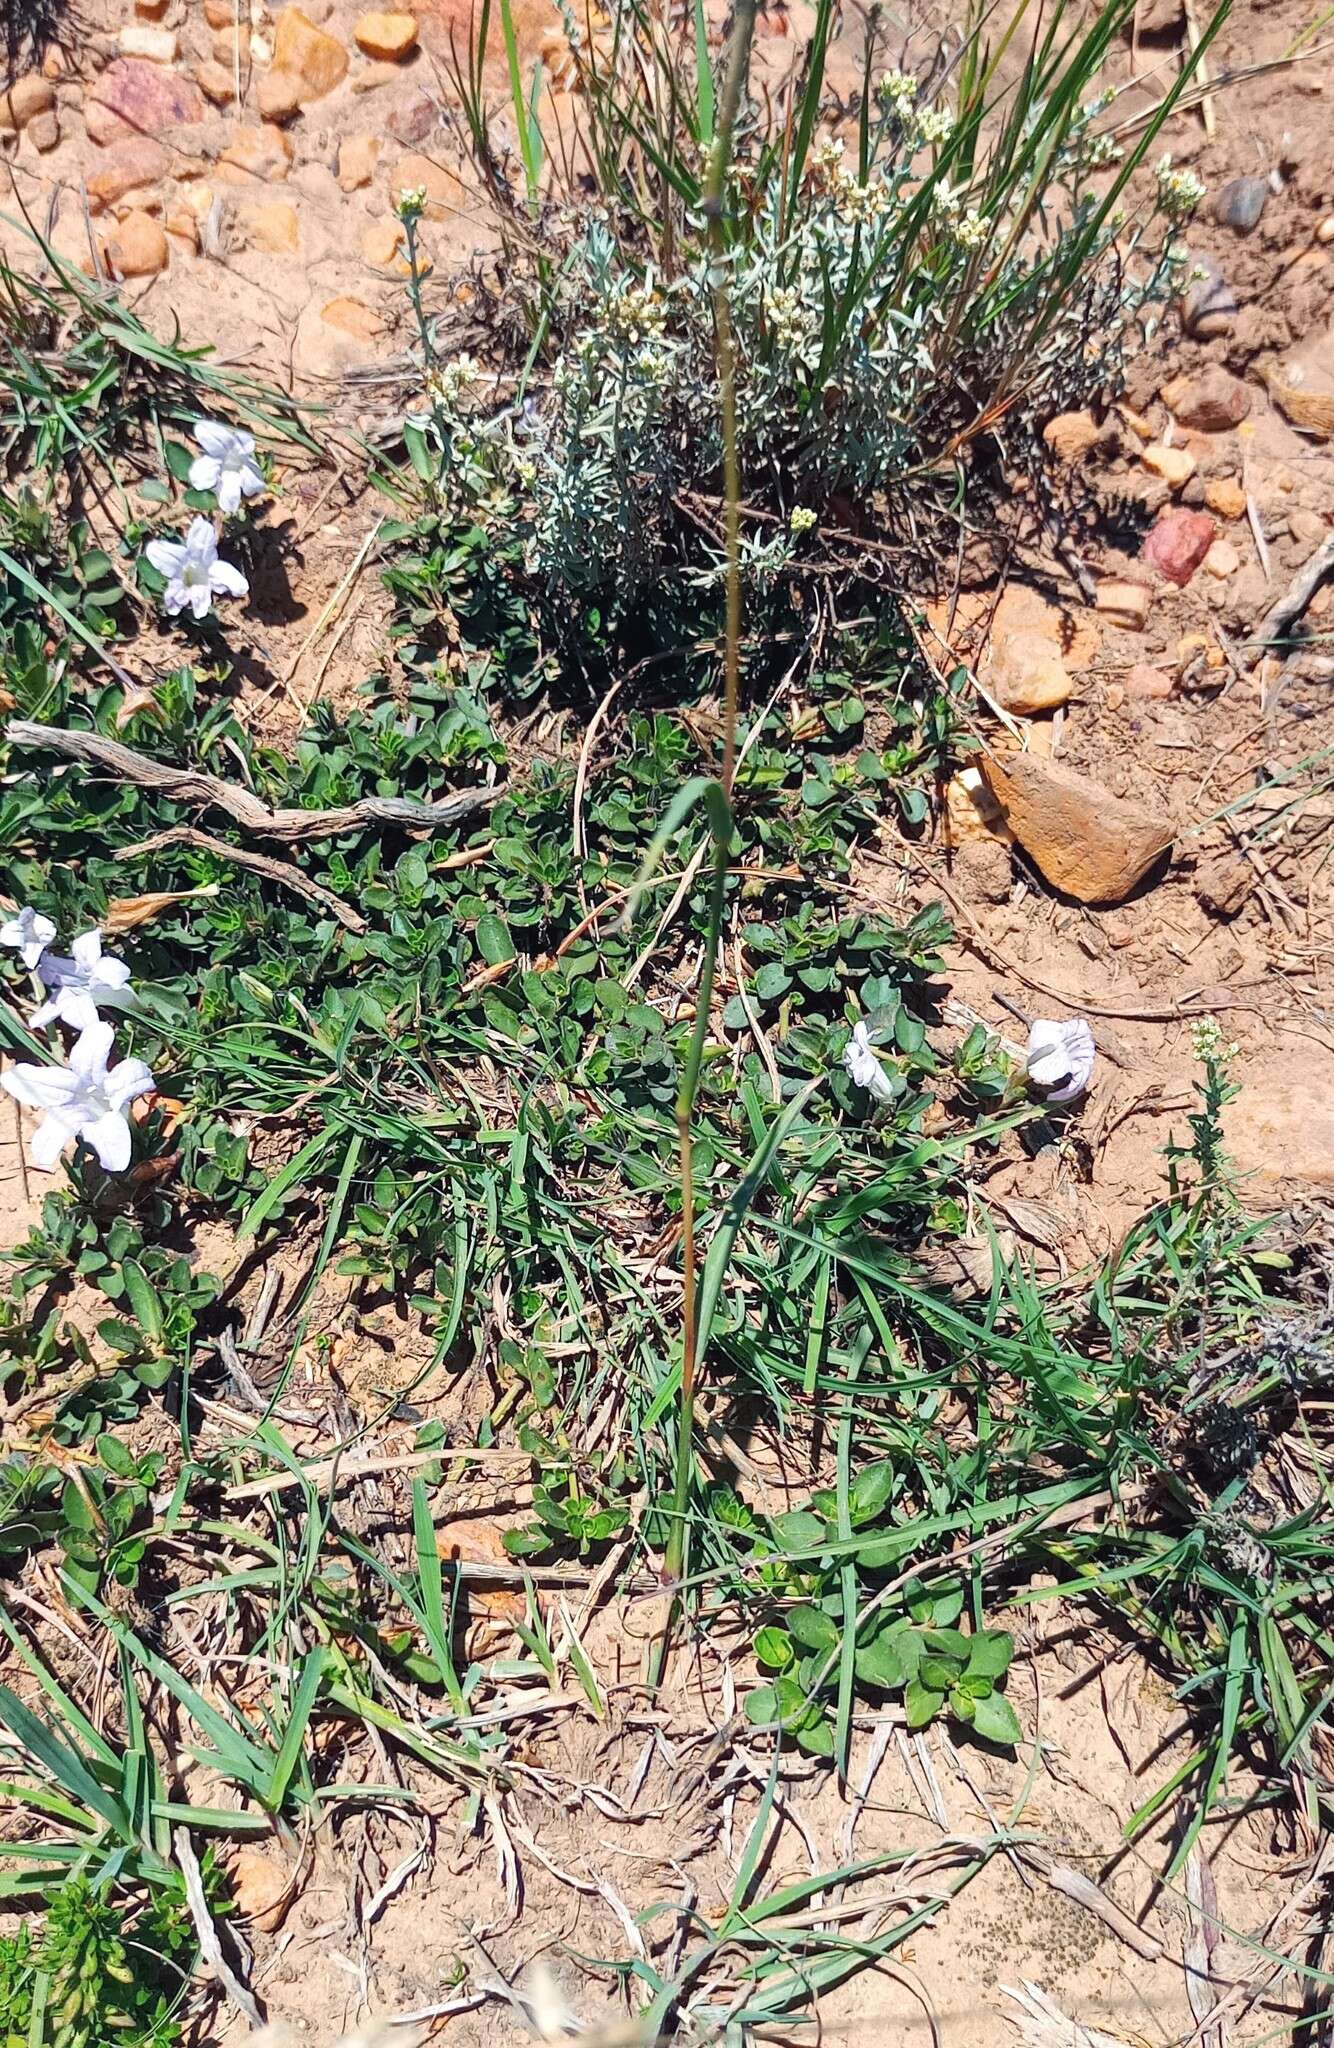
[[194, 574], [87, 1099], [1060, 1057], [227, 466], [29, 933], [80, 983], [863, 1066]]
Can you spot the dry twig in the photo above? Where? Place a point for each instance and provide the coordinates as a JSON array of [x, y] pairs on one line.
[[192, 786]]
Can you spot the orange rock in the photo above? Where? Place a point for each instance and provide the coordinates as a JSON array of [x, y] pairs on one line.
[[216, 81], [222, 13], [151, 10], [444, 192], [380, 246], [1087, 842], [276, 228], [1224, 495], [260, 1888], [43, 131], [1027, 674], [279, 95], [1071, 435], [137, 246], [27, 97], [357, 158], [352, 318], [1143, 680], [183, 222], [121, 168], [231, 46], [1176, 466], [318, 60], [387, 36], [255, 153]]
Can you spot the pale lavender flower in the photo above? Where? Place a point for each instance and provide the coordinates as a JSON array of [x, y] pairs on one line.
[[859, 1057], [194, 574], [81, 983], [1060, 1057], [86, 1099], [29, 933], [227, 466]]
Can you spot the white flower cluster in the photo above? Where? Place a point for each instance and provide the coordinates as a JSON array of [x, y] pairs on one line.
[[1179, 192], [88, 1098], [935, 124], [193, 574], [1207, 1042], [898, 90]]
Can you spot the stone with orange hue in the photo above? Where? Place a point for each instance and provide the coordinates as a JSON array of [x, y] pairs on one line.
[[381, 243], [387, 36], [43, 131], [1071, 435], [357, 158], [444, 192], [260, 1887], [275, 228], [317, 59], [278, 96], [150, 10], [1224, 495], [351, 317], [231, 46], [133, 97], [126, 165], [137, 246], [27, 97], [182, 222], [1176, 466], [1143, 680], [216, 81], [263, 153], [1093, 845], [222, 13], [1027, 674]]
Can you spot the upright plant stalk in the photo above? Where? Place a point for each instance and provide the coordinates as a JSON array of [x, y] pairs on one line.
[[738, 65]]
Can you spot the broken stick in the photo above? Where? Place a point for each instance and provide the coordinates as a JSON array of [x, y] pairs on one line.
[[280, 871], [192, 786]]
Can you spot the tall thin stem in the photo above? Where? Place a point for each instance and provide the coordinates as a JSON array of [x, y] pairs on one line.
[[677, 1550], [738, 65]]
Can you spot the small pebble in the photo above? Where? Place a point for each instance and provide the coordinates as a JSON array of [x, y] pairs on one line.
[[1173, 465], [1240, 203]]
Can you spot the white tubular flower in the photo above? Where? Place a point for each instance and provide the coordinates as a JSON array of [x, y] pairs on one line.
[[194, 574], [80, 983], [864, 1067], [1060, 1057], [227, 466], [29, 933], [84, 1100]]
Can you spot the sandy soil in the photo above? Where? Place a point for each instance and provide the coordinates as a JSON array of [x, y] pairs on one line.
[[595, 1831]]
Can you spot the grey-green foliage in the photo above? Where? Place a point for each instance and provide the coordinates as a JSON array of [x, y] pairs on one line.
[[961, 269]]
